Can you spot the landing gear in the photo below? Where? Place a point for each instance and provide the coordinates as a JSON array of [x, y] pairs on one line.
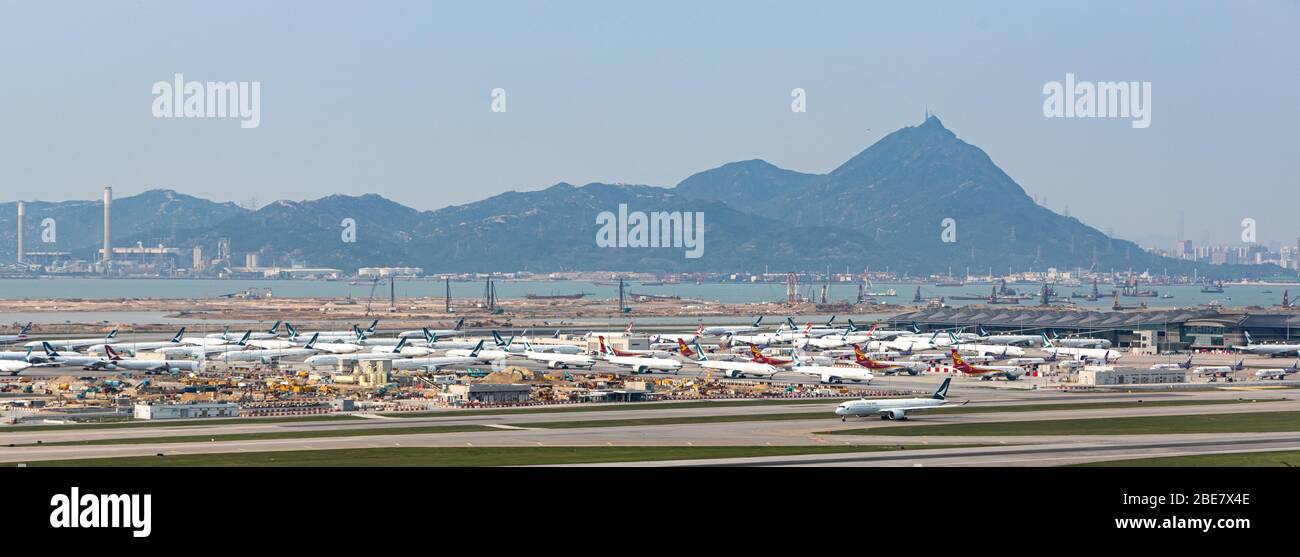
[[842, 419]]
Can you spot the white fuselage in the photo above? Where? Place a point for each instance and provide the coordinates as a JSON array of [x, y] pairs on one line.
[[13, 366], [832, 374], [263, 355], [643, 364], [991, 349], [741, 369], [1089, 353], [434, 362], [554, 360], [869, 407]]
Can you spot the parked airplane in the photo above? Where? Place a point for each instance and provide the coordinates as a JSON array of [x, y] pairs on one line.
[[887, 367], [402, 350], [894, 408], [1220, 370], [73, 358], [554, 360], [999, 350], [876, 333], [1104, 354], [455, 331], [1278, 373], [502, 352], [22, 335], [719, 330], [1271, 350], [1011, 373], [831, 374], [135, 347], [225, 334], [735, 369], [1007, 339], [13, 367], [813, 331], [626, 332], [327, 336], [632, 353], [673, 338], [473, 357], [1184, 365], [639, 364], [758, 356], [115, 360], [74, 343], [268, 356], [202, 346], [21, 356], [1078, 342], [378, 353]]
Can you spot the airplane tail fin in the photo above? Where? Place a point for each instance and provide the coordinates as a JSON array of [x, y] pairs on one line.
[[942, 392], [397, 349], [374, 326], [27, 327], [293, 332], [179, 334], [49, 350], [112, 354], [477, 347], [699, 352], [496, 337], [915, 328], [244, 339], [603, 349], [831, 322], [459, 323], [275, 329], [112, 334], [756, 321], [1047, 342], [429, 337], [312, 342], [1248, 339], [681, 347]]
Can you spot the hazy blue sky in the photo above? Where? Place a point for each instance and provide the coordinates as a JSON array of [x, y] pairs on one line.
[[393, 98]]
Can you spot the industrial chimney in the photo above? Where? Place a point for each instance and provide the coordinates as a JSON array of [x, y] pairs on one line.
[[108, 245], [20, 231]]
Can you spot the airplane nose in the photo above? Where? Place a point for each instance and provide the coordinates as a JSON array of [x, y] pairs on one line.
[[839, 411]]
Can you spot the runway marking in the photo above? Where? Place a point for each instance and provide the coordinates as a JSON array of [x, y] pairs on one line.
[[505, 426]]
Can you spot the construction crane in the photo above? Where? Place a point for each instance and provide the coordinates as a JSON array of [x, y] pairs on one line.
[[371, 300]]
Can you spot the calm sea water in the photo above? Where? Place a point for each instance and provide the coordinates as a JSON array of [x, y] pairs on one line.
[[463, 292]]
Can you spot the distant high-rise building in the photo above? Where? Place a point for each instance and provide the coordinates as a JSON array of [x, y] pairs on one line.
[[1184, 250], [250, 260], [198, 259], [108, 246], [20, 232]]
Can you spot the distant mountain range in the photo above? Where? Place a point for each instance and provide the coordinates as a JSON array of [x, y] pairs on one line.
[[884, 208]]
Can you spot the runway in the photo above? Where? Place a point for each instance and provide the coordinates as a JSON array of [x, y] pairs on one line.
[[514, 430]]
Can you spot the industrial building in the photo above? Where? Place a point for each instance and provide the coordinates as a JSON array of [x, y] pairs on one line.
[[184, 411], [488, 393], [1112, 375]]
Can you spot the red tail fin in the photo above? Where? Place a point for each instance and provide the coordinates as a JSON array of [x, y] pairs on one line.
[[112, 354]]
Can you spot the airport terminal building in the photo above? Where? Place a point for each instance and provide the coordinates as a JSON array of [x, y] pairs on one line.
[[1150, 331]]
